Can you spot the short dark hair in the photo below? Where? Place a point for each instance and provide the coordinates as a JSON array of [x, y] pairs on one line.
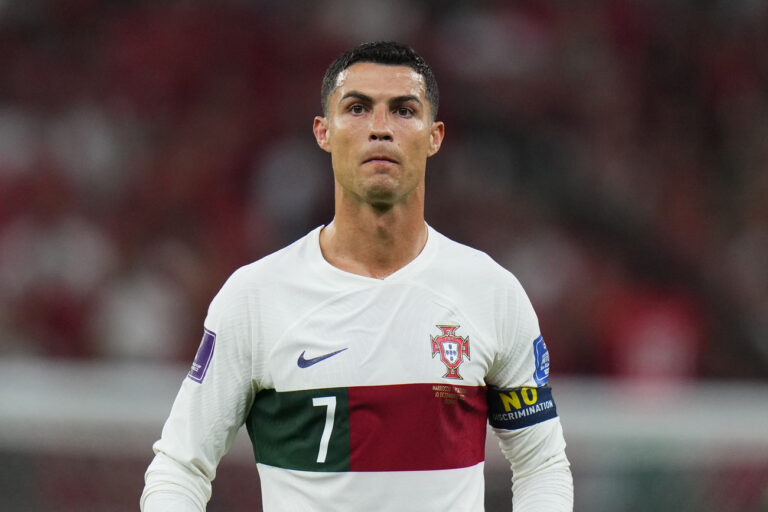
[[389, 53]]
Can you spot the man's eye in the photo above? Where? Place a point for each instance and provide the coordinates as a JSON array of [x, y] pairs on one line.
[[404, 111], [357, 109]]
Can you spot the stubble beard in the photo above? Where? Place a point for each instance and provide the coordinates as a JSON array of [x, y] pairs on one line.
[[383, 192]]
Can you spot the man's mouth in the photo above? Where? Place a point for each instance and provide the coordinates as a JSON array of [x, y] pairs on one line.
[[380, 158]]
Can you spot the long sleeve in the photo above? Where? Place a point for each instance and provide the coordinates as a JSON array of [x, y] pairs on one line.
[[207, 413], [170, 501], [523, 414], [541, 475]]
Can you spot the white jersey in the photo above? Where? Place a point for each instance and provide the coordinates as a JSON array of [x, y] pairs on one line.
[[366, 394]]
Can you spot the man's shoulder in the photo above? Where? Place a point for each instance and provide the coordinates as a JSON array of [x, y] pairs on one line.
[[465, 258], [287, 261]]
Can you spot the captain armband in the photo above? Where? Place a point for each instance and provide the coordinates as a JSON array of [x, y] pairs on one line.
[[515, 408]]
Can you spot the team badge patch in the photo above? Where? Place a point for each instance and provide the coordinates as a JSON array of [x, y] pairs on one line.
[[451, 348], [203, 357], [541, 356]]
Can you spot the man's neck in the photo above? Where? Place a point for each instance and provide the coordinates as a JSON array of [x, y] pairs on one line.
[[372, 242]]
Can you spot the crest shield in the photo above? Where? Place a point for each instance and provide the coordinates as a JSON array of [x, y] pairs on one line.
[[452, 349]]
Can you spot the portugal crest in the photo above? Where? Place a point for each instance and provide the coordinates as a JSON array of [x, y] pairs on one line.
[[451, 348]]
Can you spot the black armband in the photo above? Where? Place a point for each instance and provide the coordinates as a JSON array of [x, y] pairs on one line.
[[515, 408]]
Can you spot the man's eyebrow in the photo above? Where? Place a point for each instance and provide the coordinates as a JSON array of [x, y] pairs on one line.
[[357, 95], [403, 99], [367, 99]]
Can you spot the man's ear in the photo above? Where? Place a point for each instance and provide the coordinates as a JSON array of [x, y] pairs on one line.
[[436, 137], [320, 129]]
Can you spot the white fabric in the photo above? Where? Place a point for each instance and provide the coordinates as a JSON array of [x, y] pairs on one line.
[[541, 476], [170, 501], [375, 490], [292, 301]]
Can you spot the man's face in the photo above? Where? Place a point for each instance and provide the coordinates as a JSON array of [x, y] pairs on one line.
[[379, 131]]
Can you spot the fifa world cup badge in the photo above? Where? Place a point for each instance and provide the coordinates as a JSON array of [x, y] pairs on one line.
[[451, 348]]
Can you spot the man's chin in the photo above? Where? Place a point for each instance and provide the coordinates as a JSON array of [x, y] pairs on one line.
[[381, 199], [381, 191]]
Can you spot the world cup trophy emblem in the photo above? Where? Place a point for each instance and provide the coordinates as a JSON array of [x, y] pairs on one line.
[[451, 348]]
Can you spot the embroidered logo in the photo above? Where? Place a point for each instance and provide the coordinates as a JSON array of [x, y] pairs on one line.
[[306, 363], [451, 348]]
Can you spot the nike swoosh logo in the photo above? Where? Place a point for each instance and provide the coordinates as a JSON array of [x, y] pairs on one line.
[[306, 363]]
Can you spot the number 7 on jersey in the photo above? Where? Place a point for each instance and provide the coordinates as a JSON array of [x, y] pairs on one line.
[[330, 412]]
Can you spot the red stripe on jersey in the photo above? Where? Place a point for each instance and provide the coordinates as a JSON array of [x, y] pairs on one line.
[[414, 427]]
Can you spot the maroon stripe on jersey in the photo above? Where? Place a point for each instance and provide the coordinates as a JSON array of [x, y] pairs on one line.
[[414, 427]]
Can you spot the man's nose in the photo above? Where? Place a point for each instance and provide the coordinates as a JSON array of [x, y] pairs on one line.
[[380, 128]]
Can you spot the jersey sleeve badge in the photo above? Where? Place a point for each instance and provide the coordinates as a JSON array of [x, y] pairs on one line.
[[203, 357], [541, 358]]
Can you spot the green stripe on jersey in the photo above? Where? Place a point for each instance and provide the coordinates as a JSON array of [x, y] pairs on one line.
[[305, 430]]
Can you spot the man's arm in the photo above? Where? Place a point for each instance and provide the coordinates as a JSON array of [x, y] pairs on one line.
[[169, 501], [541, 475], [523, 414], [208, 411], [173, 486]]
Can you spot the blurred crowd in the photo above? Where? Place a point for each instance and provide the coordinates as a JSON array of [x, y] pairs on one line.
[[612, 154]]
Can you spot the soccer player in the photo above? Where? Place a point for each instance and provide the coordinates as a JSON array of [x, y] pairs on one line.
[[367, 358]]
